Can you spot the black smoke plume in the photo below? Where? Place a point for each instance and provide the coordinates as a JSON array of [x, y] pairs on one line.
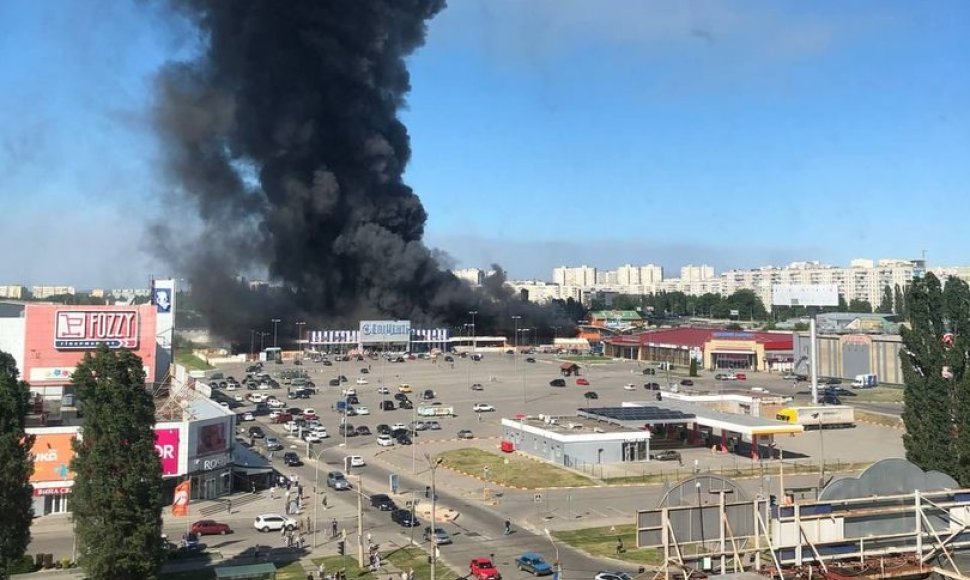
[[283, 136]]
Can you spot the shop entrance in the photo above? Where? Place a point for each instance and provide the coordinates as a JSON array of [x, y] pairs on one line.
[[734, 361], [55, 504], [635, 451]]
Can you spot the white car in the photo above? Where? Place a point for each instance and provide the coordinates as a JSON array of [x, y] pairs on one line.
[[483, 408], [354, 460], [232, 387], [291, 426], [630, 387], [263, 387], [348, 391], [362, 410], [257, 397], [313, 437], [321, 431], [270, 522], [276, 404], [361, 381], [397, 426], [248, 417], [385, 440], [238, 398], [383, 391]]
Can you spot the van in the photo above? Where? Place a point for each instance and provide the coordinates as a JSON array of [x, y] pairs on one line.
[[866, 381]]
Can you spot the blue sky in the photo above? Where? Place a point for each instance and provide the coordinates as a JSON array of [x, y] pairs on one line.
[[548, 132]]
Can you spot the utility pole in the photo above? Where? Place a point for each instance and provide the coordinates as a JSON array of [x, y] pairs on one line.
[[515, 351], [433, 464], [299, 336], [474, 345], [252, 343], [275, 322], [360, 523]]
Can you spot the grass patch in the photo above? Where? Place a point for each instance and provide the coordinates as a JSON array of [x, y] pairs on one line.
[[192, 362], [729, 471], [410, 557], [879, 419], [877, 395], [601, 542], [518, 472], [292, 571], [347, 563]]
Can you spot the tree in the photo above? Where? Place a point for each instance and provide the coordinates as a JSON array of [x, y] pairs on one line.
[[118, 485], [16, 466], [693, 367], [856, 305], [886, 303], [898, 302], [934, 364]]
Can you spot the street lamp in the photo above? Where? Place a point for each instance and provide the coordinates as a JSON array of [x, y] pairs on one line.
[[262, 335], [515, 350], [433, 464], [252, 343], [316, 493], [473, 313], [275, 321], [821, 450], [556, 548]]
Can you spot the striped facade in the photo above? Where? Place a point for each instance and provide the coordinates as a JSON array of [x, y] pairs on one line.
[[422, 339]]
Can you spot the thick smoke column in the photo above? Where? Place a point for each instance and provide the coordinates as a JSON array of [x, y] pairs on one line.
[[284, 136]]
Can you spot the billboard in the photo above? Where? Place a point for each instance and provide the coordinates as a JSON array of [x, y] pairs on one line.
[[805, 295], [167, 446], [52, 457], [212, 439], [89, 329], [378, 331]]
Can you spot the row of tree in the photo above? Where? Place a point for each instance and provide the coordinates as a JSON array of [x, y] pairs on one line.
[[117, 494]]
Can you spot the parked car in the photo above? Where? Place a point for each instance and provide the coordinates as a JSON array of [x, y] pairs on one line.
[[649, 371], [404, 439], [610, 575], [419, 426], [404, 518], [483, 408], [483, 569], [582, 381], [439, 536], [271, 522], [533, 563], [385, 440], [383, 502], [210, 528], [404, 388], [477, 387], [651, 386], [666, 455], [530, 359], [387, 406], [687, 383], [337, 480], [309, 413], [354, 461], [433, 425], [362, 410], [256, 432], [590, 395], [348, 392], [465, 434], [334, 382], [363, 430], [361, 381], [405, 404], [291, 459], [273, 444], [364, 371], [399, 427], [427, 395], [383, 391], [348, 430], [400, 397], [629, 387], [557, 383], [247, 417]]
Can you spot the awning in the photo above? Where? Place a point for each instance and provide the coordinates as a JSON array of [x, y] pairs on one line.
[[248, 462]]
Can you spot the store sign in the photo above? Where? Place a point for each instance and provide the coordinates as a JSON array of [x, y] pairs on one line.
[[211, 463], [51, 374], [51, 490], [52, 457], [378, 331], [167, 447], [89, 329]]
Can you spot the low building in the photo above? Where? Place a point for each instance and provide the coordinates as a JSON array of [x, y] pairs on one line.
[[712, 348], [577, 441], [847, 355]]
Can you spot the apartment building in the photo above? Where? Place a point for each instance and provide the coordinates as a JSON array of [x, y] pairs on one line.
[[45, 292], [13, 292], [582, 276], [541, 291]]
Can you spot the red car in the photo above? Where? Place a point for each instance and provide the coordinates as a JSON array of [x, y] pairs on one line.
[[210, 528], [482, 569], [740, 376], [582, 381], [283, 418]]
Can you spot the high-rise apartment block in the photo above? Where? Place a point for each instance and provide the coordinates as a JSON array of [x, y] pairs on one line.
[[13, 292], [44, 292]]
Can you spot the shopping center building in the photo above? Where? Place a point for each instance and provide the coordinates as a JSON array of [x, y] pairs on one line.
[[712, 348]]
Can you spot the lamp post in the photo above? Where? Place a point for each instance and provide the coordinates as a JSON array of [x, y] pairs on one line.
[[474, 345], [821, 451], [515, 350], [262, 335], [252, 343], [433, 464], [316, 493], [299, 336], [275, 322], [556, 548]]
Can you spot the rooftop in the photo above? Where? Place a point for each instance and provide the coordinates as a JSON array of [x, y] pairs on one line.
[[574, 425], [696, 337]]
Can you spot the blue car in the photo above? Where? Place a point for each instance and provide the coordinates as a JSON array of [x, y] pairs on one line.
[[533, 563]]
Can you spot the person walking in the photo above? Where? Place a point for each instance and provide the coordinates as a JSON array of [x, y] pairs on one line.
[[619, 546], [325, 502], [508, 528], [228, 505], [333, 528]]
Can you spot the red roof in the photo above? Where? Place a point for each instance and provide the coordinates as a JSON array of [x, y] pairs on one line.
[[696, 337]]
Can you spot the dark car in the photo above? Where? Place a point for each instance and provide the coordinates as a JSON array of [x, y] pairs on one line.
[[649, 371], [839, 391], [387, 405], [652, 386], [291, 459], [365, 371], [557, 383], [404, 518], [687, 383], [382, 502], [404, 440], [210, 528], [400, 397], [352, 400], [465, 434], [348, 430], [427, 395], [363, 430], [833, 381], [383, 429], [256, 432], [478, 387], [405, 404], [342, 378], [591, 395], [449, 358], [334, 382], [530, 359], [326, 363], [666, 455]]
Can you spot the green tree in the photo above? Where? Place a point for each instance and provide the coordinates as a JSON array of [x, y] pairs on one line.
[[937, 394], [16, 466], [899, 302], [856, 305], [886, 302], [117, 490]]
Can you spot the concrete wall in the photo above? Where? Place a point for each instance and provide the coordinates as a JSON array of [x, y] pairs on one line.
[[846, 356]]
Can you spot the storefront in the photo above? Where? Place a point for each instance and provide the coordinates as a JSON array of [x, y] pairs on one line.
[[210, 459], [52, 478]]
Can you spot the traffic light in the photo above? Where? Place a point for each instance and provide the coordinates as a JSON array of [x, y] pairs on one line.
[[341, 547]]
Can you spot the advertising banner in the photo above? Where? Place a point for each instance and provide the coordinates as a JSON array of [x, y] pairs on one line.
[[180, 505], [167, 446], [52, 457], [88, 329], [51, 373], [384, 331], [212, 439]]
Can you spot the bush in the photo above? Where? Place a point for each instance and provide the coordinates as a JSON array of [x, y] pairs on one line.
[[23, 566]]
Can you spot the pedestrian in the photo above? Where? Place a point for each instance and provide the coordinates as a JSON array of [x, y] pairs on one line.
[[321, 571], [253, 486], [228, 506], [368, 539], [302, 541], [283, 532], [333, 528], [619, 546], [272, 491], [479, 417], [325, 502], [508, 527]]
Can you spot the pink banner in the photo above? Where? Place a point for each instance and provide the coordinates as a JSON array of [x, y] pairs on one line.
[[167, 446]]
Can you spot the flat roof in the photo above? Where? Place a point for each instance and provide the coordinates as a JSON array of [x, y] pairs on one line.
[[737, 423], [575, 425]]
